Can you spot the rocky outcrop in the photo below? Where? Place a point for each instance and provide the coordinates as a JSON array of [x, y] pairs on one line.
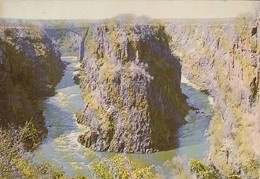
[[131, 87], [223, 58], [30, 67]]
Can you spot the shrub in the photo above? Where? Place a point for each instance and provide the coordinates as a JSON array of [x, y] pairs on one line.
[[203, 170], [16, 161], [29, 134], [10, 148], [118, 166]]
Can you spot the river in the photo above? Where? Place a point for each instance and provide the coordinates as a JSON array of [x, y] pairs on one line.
[[61, 148]]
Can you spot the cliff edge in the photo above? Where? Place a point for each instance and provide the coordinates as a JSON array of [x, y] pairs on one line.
[[131, 88]]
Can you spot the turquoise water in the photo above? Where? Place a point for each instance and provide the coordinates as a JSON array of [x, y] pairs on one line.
[[62, 149]]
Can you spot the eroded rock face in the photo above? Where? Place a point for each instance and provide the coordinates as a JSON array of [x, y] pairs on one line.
[[223, 58], [30, 67], [131, 87]]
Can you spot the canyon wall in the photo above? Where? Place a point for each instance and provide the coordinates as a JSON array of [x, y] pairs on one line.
[[223, 58], [30, 68], [131, 87]]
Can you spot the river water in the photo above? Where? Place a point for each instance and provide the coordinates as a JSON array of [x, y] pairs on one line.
[[62, 149]]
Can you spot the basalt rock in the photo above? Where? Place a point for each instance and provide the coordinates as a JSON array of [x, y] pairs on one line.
[[223, 58], [30, 67], [131, 88]]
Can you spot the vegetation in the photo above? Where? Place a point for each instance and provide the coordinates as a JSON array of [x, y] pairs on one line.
[[15, 160], [181, 167], [29, 134], [30, 68], [232, 124], [204, 171], [119, 166]]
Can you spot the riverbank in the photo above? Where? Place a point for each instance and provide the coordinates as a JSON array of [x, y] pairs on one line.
[[30, 68], [62, 149]]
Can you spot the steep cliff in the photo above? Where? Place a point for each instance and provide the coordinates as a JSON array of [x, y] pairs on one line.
[[30, 67], [131, 88], [223, 58]]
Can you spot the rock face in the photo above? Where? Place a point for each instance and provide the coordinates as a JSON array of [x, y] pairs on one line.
[[30, 67], [223, 58], [131, 88]]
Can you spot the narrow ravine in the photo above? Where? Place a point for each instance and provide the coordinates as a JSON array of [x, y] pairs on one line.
[[62, 149]]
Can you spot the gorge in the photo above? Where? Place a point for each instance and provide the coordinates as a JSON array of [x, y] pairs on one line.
[[227, 52], [146, 88]]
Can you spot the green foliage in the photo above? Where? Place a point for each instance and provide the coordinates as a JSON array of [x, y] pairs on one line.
[[16, 162], [79, 176], [47, 169], [118, 166], [29, 134], [29, 169], [8, 33], [203, 171]]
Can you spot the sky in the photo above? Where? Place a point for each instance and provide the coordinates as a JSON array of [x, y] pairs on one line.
[[80, 9]]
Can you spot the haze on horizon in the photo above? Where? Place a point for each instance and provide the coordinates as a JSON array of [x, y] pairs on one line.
[[79, 9]]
